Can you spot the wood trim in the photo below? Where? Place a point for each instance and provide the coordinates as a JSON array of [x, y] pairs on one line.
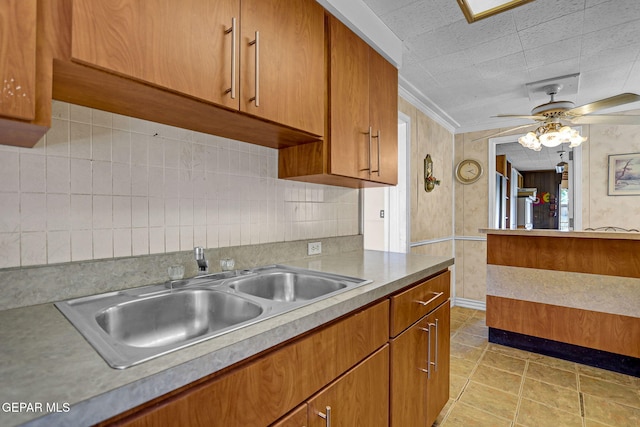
[[610, 257], [602, 331]]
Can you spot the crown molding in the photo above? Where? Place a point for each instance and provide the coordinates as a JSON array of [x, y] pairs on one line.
[[409, 92]]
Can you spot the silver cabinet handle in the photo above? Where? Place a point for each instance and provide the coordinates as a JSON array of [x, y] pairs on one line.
[[256, 42], [435, 366], [378, 141], [232, 30], [437, 295], [369, 168], [326, 417], [428, 370], [429, 362]]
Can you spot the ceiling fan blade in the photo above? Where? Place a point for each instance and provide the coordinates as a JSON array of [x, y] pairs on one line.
[[504, 131], [614, 101], [538, 117], [606, 120]]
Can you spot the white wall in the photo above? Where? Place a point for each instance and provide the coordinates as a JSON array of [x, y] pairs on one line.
[[100, 185]]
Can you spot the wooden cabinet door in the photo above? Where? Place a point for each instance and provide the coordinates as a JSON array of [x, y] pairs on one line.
[[438, 383], [297, 418], [409, 377], [286, 83], [383, 113], [360, 398], [181, 46], [420, 370], [350, 136], [18, 59]]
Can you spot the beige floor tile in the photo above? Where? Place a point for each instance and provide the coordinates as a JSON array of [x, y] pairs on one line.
[[591, 423], [461, 367], [501, 361], [480, 315], [553, 362], [490, 400], [534, 414], [443, 413], [548, 374], [552, 395], [455, 325], [469, 339], [461, 314], [466, 352], [508, 351], [474, 328], [614, 377], [610, 413], [611, 391], [462, 415], [456, 385], [502, 380]]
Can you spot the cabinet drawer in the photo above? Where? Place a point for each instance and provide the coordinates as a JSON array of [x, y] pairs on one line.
[[409, 306], [262, 391]]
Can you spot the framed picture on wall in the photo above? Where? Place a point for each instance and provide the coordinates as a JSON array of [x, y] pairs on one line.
[[624, 174]]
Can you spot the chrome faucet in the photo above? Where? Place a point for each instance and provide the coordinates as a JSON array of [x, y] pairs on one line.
[[203, 264]]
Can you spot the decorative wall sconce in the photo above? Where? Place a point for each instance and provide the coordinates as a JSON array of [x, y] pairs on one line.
[[430, 181]]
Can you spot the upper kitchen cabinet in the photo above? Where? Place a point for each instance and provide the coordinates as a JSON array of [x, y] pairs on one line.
[[189, 46], [282, 58], [361, 141], [262, 57], [18, 59], [250, 70], [20, 117]]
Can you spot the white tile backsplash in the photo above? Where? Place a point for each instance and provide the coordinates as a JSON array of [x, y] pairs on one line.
[[101, 185]]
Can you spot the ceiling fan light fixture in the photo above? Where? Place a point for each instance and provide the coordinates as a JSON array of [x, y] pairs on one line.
[[530, 140], [550, 135]]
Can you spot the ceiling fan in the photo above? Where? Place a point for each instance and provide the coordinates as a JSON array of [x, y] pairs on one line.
[[551, 118]]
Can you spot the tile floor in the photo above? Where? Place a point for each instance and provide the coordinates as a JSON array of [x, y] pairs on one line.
[[494, 385]]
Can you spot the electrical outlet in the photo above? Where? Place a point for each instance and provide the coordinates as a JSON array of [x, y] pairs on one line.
[[314, 248], [382, 214]]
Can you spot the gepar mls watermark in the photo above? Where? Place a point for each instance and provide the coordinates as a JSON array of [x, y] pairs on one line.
[[35, 407]]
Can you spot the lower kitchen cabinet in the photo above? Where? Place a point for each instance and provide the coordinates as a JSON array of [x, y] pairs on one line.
[[359, 398], [420, 355], [420, 370], [297, 418]]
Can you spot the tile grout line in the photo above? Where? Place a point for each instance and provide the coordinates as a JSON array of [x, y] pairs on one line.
[[520, 391]]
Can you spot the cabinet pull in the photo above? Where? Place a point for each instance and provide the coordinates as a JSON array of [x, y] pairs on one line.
[[435, 366], [232, 30], [378, 141], [437, 295], [428, 370], [256, 42], [429, 362], [369, 168], [326, 417]]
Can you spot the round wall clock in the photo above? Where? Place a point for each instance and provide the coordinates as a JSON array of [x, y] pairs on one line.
[[468, 171]]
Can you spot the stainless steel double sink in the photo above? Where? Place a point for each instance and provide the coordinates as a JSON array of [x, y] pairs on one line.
[[132, 326]]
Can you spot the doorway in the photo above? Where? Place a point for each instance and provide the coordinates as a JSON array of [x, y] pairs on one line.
[[563, 201], [385, 212]]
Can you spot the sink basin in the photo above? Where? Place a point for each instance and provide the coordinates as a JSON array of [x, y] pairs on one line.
[[174, 317], [287, 286], [132, 326]]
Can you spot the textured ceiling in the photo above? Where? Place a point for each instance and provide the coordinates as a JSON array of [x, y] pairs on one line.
[[466, 73]]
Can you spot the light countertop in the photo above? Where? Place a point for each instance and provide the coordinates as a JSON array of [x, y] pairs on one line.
[[574, 234], [45, 362]]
